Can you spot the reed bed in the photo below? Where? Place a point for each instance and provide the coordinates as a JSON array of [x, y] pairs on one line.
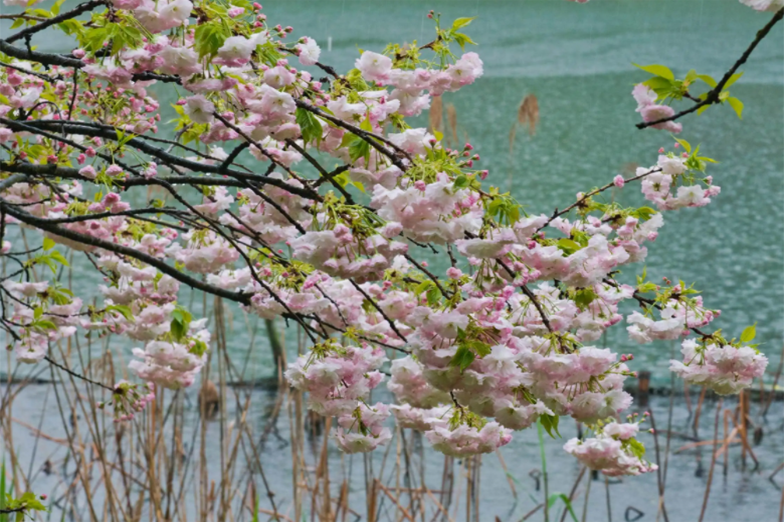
[[205, 454], [235, 447]]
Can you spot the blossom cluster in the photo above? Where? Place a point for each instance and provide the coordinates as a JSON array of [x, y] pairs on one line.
[[613, 450], [501, 338]]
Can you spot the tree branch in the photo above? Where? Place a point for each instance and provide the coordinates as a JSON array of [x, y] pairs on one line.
[[713, 94], [81, 8]]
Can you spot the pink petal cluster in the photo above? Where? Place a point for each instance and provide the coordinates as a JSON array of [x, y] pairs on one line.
[[650, 111], [724, 369], [609, 451], [338, 379]]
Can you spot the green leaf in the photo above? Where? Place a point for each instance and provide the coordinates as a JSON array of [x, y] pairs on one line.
[[462, 40], [433, 296], [568, 246], [707, 79], [749, 333], [462, 181], [462, 358], [359, 148], [685, 144], [309, 126], [462, 22], [478, 347], [45, 324], [31, 501], [636, 447], [181, 322], [662, 86], [585, 297], [550, 423], [737, 105], [657, 70], [123, 310], [56, 7], [57, 256], [2, 485], [209, 37], [561, 496], [199, 348], [423, 286], [48, 243], [734, 78], [644, 213]]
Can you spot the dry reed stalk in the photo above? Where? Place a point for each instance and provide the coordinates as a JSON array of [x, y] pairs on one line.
[[573, 491], [744, 440], [436, 115], [659, 478], [713, 461], [394, 500], [743, 403], [528, 113], [322, 473], [451, 118], [532, 512], [585, 503], [708, 443], [696, 425], [506, 473]]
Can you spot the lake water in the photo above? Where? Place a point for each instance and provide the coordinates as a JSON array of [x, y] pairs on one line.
[[577, 60]]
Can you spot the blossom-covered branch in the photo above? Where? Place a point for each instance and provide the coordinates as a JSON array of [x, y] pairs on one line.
[[316, 201]]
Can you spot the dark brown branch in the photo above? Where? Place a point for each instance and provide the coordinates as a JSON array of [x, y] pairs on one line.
[[428, 274], [321, 170], [371, 138], [57, 230], [78, 376], [646, 303], [713, 95], [378, 308], [42, 58], [81, 8], [585, 197], [165, 157], [527, 291]]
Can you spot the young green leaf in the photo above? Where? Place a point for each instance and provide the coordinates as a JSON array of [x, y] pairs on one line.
[[568, 246], [561, 496], [550, 424], [749, 333], [708, 79], [685, 144], [462, 358], [309, 126], [657, 70], [57, 256], [461, 22], [737, 105], [734, 78]]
